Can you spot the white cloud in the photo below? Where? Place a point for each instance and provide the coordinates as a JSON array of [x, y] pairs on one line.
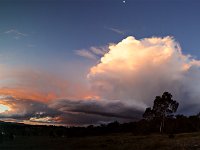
[[135, 71]]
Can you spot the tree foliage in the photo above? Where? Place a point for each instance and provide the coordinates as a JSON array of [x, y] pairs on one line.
[[163, 106]]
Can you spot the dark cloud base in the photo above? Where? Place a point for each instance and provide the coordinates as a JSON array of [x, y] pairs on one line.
[[68, 112]]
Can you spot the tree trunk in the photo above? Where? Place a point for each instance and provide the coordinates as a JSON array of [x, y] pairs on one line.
[[162, 124], [161, 127]]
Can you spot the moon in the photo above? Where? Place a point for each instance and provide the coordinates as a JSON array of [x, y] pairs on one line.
[[124, 2]]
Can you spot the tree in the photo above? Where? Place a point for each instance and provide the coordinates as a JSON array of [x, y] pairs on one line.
[[163, 106]]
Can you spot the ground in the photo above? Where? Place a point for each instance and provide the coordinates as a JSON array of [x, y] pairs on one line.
[[187, 141]]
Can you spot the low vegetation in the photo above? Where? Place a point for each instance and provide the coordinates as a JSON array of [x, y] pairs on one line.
[[122, 141]]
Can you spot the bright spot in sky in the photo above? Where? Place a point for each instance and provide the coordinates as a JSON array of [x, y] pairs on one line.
[[3, 108], [124, 2]]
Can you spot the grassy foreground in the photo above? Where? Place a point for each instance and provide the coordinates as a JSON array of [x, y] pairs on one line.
[[189, 141]]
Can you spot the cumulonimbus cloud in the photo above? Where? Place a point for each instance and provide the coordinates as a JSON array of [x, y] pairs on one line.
[[135, 71], [126, 80]]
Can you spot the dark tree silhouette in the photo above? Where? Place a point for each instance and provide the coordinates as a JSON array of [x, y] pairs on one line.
[[163, 106]]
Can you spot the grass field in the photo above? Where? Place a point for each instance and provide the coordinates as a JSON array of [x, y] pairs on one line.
[[189, 141]]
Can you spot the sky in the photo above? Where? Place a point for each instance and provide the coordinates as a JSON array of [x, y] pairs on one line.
[[80, 62]]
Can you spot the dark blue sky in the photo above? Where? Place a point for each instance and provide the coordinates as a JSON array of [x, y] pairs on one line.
[[57, 28], [45, 34]]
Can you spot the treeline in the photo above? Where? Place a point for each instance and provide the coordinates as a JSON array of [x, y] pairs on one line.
[[173, 125]]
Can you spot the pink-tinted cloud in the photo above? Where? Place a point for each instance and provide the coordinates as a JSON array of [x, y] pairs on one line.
[[41, 86]]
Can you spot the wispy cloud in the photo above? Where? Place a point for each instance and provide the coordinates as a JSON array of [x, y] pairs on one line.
[[118, 31], [99, 50], [15, 33], [92, 53], [86, 54]]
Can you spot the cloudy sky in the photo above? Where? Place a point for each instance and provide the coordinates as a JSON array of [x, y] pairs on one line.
[[80, 62]]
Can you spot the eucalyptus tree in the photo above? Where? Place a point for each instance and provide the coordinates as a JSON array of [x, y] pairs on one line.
[[163, 106]]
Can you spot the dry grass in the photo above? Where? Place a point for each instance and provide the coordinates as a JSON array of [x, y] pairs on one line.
[[189, 141]]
